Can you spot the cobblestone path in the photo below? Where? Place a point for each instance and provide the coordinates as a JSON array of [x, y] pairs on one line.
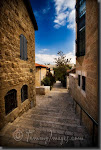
[[52, 123]]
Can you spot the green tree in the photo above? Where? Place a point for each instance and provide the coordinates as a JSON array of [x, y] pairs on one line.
[[61, 60], [62, 66]]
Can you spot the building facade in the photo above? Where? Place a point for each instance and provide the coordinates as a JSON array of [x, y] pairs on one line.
[[41, 71], [84, 84], [17, 59]]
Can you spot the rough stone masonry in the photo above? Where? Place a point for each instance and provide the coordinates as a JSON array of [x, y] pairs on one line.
[[16, 18]]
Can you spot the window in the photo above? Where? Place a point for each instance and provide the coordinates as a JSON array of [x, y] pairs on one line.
[[81, 10], [79, 80], [83, 83], [24, 93], [10, 101], [23, 47], [81, 44]]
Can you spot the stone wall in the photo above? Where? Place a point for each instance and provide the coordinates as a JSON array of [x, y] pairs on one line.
[[39, 75], [67, 82], [43, 73], [72, 84], [88, 66], [14, 72]]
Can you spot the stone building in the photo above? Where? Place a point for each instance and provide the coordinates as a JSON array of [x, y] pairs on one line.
[[17, 59], [84, 84], [73, 70], [40, 74]]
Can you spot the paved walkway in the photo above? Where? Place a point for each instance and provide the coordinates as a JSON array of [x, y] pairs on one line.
[[52, 123]]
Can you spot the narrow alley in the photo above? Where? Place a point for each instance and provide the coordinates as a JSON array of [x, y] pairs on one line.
[[52, 123]]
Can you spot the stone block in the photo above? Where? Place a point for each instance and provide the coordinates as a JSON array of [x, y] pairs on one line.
[[42, 90]]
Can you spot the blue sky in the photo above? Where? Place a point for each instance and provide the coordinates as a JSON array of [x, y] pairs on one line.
[[56, 29]]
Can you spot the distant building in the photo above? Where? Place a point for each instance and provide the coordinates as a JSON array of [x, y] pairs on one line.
[[73, 70], [40, 74], [51, 68], [84, 84], [17, 55], [71, 65]]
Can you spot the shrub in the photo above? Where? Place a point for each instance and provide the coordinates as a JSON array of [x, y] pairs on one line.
[[49, 80], [46, 81]]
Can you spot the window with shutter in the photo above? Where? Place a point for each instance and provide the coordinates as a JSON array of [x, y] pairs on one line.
[[23, 47], [81, 10], [24, 93], [81, 43], [25, 44]]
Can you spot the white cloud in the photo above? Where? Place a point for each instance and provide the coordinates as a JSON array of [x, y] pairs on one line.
[[60, 19], [74, 48], [62, 5], [46, 10], [72, 56], [71, 19], [65, 13], [47, 58], [43, 50], [57, 26]]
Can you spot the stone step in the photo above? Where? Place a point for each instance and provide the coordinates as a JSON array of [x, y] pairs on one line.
[[81, 132], [48, 113], [45, 131], [48, 120], [53, 119], [58, 101], [52, 108], [71, 117], [38, 130], [56, 106], [54, 125], [70, 109]]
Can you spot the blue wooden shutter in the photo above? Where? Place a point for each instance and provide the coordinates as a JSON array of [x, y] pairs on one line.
[[21, 46], [25, 49]]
